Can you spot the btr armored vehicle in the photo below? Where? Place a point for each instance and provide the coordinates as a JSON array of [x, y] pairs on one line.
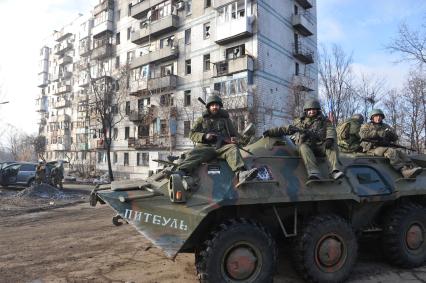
[[234, 230]]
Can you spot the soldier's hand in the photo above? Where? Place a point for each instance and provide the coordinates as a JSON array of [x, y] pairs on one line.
[[329, 143], [210, 137], [266, 133], [291, 130]]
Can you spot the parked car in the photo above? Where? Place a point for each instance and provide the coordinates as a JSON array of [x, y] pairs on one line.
[[21, 174], [6, 163]]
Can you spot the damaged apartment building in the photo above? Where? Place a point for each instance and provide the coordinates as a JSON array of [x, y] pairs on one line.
[[158, 57]]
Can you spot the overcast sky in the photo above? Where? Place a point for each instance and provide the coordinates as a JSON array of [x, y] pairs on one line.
[[360, 26]]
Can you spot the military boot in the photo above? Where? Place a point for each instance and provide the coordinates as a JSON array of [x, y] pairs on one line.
[[408, 172], [314, 176], [246, 175]]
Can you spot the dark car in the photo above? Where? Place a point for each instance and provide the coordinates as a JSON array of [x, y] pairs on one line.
[[6, 163], [18, 174]]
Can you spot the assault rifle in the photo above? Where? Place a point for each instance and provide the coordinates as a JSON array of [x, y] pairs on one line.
[[388, 144]]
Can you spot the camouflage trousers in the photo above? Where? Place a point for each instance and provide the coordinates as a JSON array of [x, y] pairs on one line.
[[397, 158], [308, 153], [200, 154]]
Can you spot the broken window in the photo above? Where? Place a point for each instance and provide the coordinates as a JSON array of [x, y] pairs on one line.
[[206, 30], [187, 98], [188, 67], [186, 128], [206, 62]]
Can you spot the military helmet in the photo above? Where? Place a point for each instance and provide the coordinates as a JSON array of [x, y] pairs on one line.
[[377, 112], [214, 99], [358, 117], [312, 104]]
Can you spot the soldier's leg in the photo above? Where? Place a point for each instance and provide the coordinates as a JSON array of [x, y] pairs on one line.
[[309, 159], [197, 156], [394, 158], [232, 155], [332, 156]]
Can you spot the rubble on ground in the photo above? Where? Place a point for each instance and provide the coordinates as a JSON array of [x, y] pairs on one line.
[[43, 191]]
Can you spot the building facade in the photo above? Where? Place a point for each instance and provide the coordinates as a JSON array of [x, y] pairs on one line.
[[259, 55]]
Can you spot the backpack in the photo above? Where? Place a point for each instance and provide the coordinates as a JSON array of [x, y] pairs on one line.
[[343, 133]]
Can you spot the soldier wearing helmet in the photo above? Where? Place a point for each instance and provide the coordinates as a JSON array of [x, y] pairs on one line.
[[377, 139], [314, 134], [215, 125], [348, 137]]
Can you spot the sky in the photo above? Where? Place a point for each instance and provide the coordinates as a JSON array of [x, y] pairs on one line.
[[361, 27]]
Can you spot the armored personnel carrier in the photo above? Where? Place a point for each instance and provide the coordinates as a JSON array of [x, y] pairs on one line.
[[234, 230]]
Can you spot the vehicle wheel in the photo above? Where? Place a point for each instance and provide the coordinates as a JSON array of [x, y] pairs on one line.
[[240, 251], [326, 249], [404, 242], [31, 183]]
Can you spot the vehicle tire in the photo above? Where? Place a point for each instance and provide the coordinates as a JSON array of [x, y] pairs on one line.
[[31, 183], [239, 251], [404, 236], [326, 249]]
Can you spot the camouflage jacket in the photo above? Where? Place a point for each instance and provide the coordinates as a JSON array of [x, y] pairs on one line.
[[348, 136], [374, 135], [320, 128], [219, 124]]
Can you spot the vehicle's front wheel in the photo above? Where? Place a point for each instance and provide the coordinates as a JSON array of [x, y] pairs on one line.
[[239, 251], [326, 249], [31, 183], [404, 232]]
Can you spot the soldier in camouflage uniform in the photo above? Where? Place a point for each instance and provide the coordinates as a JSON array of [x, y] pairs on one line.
[[377, 139], [348, 137], [314, 134], [213, 125]]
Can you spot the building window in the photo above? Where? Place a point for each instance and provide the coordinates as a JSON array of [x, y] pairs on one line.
[[188, 67], [143, 159], [187, 98], [206, 62], [126, 133], [188, 36], [296, 69], [118, 15], [127, 110], [166, 70], [188, 7], [129, 31], [186, 128], [163, 127], [115, 157], [207, 3], [235, 52], [117, 38], [126, 159], [129, 10], [117, 62], [115, 134], [206, 31], [166, 100]]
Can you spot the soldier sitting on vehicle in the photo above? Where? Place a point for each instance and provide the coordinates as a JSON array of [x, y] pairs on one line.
[[313, 133], [40, 172], [215, 136], [378, 138], [348, 137]]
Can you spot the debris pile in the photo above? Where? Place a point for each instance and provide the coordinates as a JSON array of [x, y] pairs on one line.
[[42, 191]]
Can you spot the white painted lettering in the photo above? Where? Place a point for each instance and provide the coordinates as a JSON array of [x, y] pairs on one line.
[[147, 215], [183, 226], [138, 216], [128, 214], [174, 224], [156, 220], [166, 221]]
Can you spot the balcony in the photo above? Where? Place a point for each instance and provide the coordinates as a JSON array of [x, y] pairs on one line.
[[61, 35], [156, 141], [233, 29], [82, 146], [302, 24], [101, 28], [65, 75], [102, 52], [157, 28], [54, 77], [158, 56], [145, 114], [63, 118], [62, 89], [61, 104], [84, 48], [62, 47], [42, 122], [83, 82], [103, 6], [60, 147], [65, 60], [305, 4], [237, 101], [44, 68], [139, 87], [137, 10], [221, 3], [303, 83], [303, 53], [165, 83], [232, 66], [42, 107]]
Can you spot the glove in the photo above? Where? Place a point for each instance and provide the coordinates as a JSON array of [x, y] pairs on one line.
[[329, 143], [210, 137], [291, 130], [266, 133]]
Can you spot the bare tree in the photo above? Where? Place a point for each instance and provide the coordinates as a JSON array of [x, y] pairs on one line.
[[411, 44], [336, 78], [19, 145], [370, 91], [107, 105]]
